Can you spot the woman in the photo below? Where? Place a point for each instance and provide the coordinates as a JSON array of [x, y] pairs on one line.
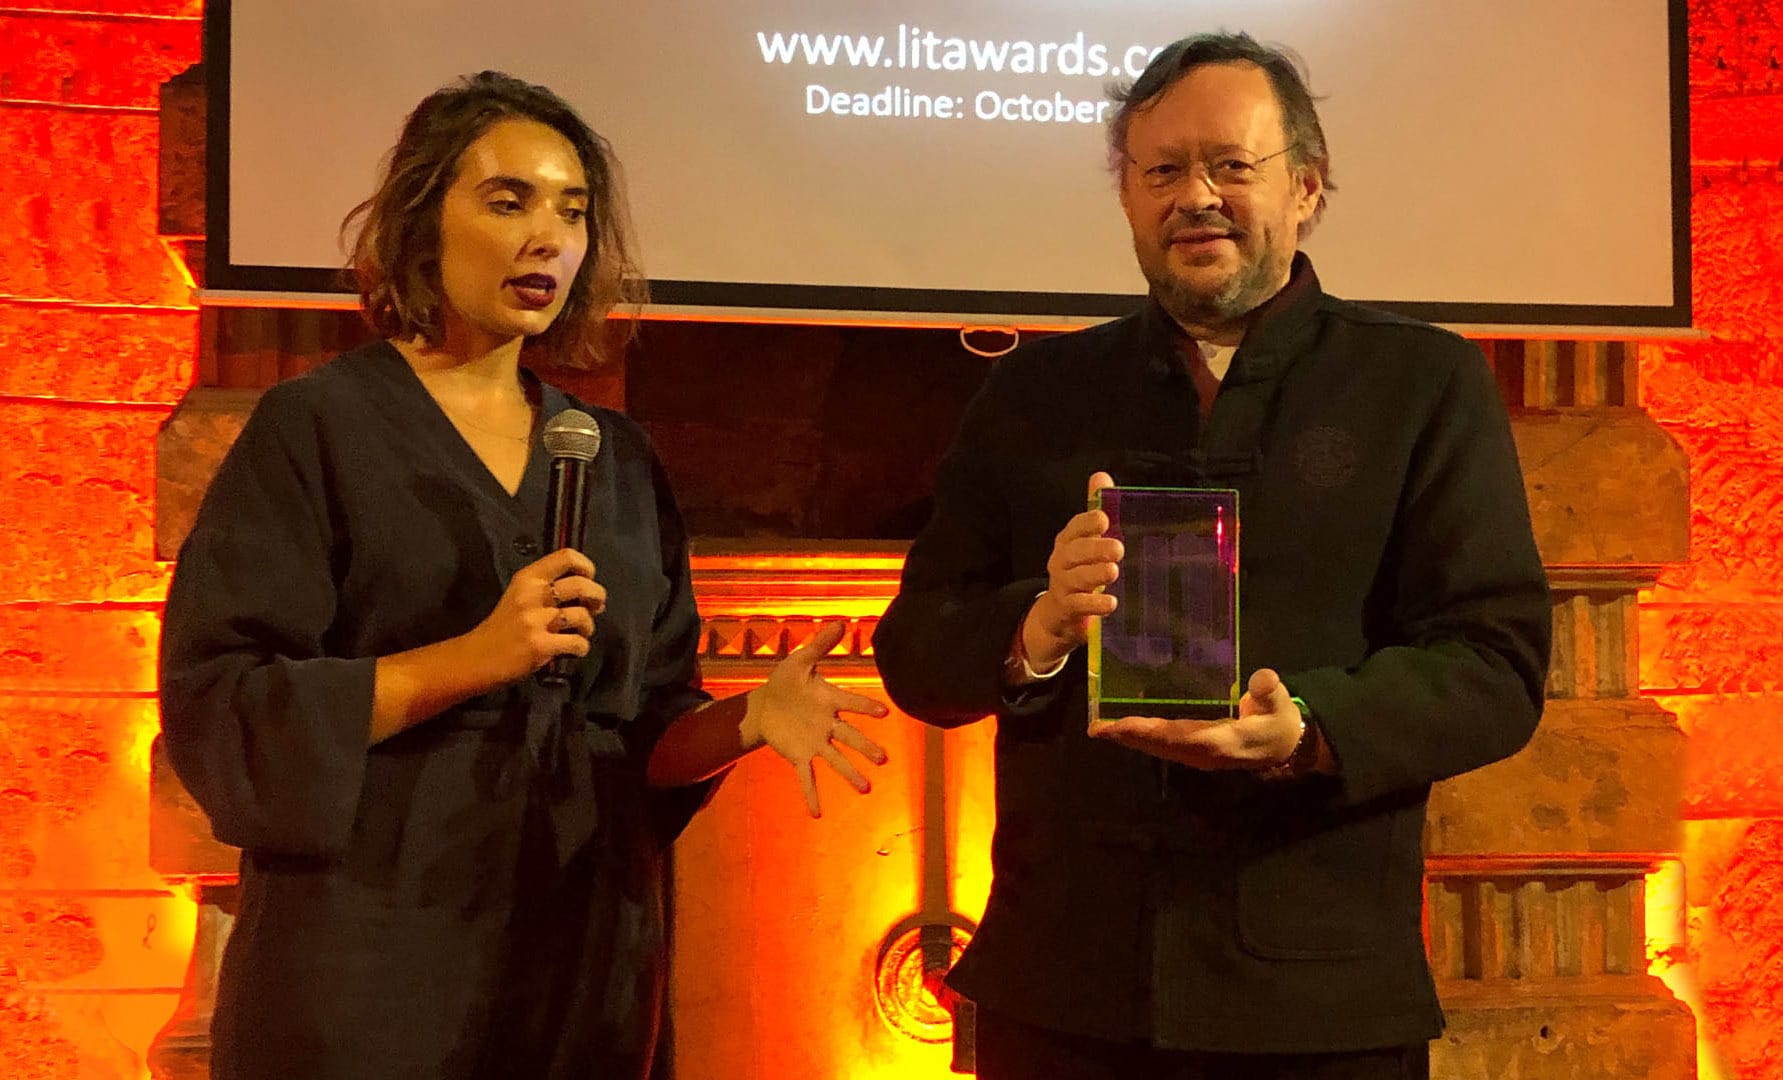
[[450, 868]]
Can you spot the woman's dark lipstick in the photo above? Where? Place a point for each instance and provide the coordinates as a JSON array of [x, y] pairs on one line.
[[534, 290]]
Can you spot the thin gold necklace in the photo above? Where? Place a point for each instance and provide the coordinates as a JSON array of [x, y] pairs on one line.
[[458, 417]]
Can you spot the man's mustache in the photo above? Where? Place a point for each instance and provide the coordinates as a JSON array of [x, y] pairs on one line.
[[1205, 221]]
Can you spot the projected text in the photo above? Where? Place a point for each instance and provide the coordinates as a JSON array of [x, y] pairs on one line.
[[849, 60]]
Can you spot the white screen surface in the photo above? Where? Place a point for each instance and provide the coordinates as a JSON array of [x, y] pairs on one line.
[[1495, 156]]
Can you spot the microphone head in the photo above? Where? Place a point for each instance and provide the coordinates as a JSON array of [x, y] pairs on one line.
[[572, 433]]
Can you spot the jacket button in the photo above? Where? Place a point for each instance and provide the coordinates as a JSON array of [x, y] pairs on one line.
[[526, 546]]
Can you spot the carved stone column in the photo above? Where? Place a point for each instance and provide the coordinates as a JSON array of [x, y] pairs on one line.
[[1537, 865]]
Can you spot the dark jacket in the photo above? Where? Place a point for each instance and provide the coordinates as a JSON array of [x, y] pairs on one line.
[[1388, 572]]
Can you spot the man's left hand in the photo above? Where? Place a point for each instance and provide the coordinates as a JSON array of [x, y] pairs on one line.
[[1262, 736]]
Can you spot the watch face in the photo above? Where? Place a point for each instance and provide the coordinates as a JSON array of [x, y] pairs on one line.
[[1306, 751]]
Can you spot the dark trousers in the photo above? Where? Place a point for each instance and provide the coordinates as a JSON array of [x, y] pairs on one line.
[[1011, 1050]]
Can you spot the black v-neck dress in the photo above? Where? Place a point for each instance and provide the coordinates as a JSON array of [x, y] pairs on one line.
[[480, 894]]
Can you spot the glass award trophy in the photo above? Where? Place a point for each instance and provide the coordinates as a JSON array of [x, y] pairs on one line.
[[1170, 648]]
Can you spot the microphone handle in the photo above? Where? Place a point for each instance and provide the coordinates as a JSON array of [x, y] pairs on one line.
[[566, 525]]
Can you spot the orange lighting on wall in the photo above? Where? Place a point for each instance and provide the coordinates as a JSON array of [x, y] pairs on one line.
[[784, 925]]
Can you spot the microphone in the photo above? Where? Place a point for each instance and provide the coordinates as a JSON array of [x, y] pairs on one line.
[[572, 438]]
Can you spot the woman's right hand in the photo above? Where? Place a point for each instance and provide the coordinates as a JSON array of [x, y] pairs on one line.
[[548, 610]]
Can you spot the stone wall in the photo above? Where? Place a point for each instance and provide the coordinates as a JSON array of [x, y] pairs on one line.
[[1712, 628], [97, 338], [98, 341]]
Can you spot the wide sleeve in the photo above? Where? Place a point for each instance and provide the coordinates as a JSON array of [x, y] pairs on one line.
[[1463, 683], [941, 644], [266, 732], [670, 686]]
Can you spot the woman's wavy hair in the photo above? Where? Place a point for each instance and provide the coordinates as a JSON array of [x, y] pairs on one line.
[[395, 234]]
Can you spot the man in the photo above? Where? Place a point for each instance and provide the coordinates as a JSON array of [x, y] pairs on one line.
[[1240, 898]]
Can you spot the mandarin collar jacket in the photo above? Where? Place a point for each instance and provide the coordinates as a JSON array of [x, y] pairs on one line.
[[1387, 571]]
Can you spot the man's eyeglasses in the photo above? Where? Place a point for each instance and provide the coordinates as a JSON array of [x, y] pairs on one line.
[[1229, 171]]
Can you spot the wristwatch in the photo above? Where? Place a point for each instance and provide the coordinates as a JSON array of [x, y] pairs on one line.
[[1305, 755]]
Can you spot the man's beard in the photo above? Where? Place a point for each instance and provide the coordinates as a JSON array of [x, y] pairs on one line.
[[1246, 290]]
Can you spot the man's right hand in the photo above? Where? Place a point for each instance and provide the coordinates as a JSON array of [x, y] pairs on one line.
[[1084, 561]]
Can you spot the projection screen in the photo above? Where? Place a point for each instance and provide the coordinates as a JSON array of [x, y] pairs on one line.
[[1498, 162]]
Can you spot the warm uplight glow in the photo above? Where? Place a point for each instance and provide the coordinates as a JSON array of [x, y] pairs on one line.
[[802, 583], [882, 566], [821, 608], [142, 737], [176, 254], [879, 320], [1668, 954], [875, 320]]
